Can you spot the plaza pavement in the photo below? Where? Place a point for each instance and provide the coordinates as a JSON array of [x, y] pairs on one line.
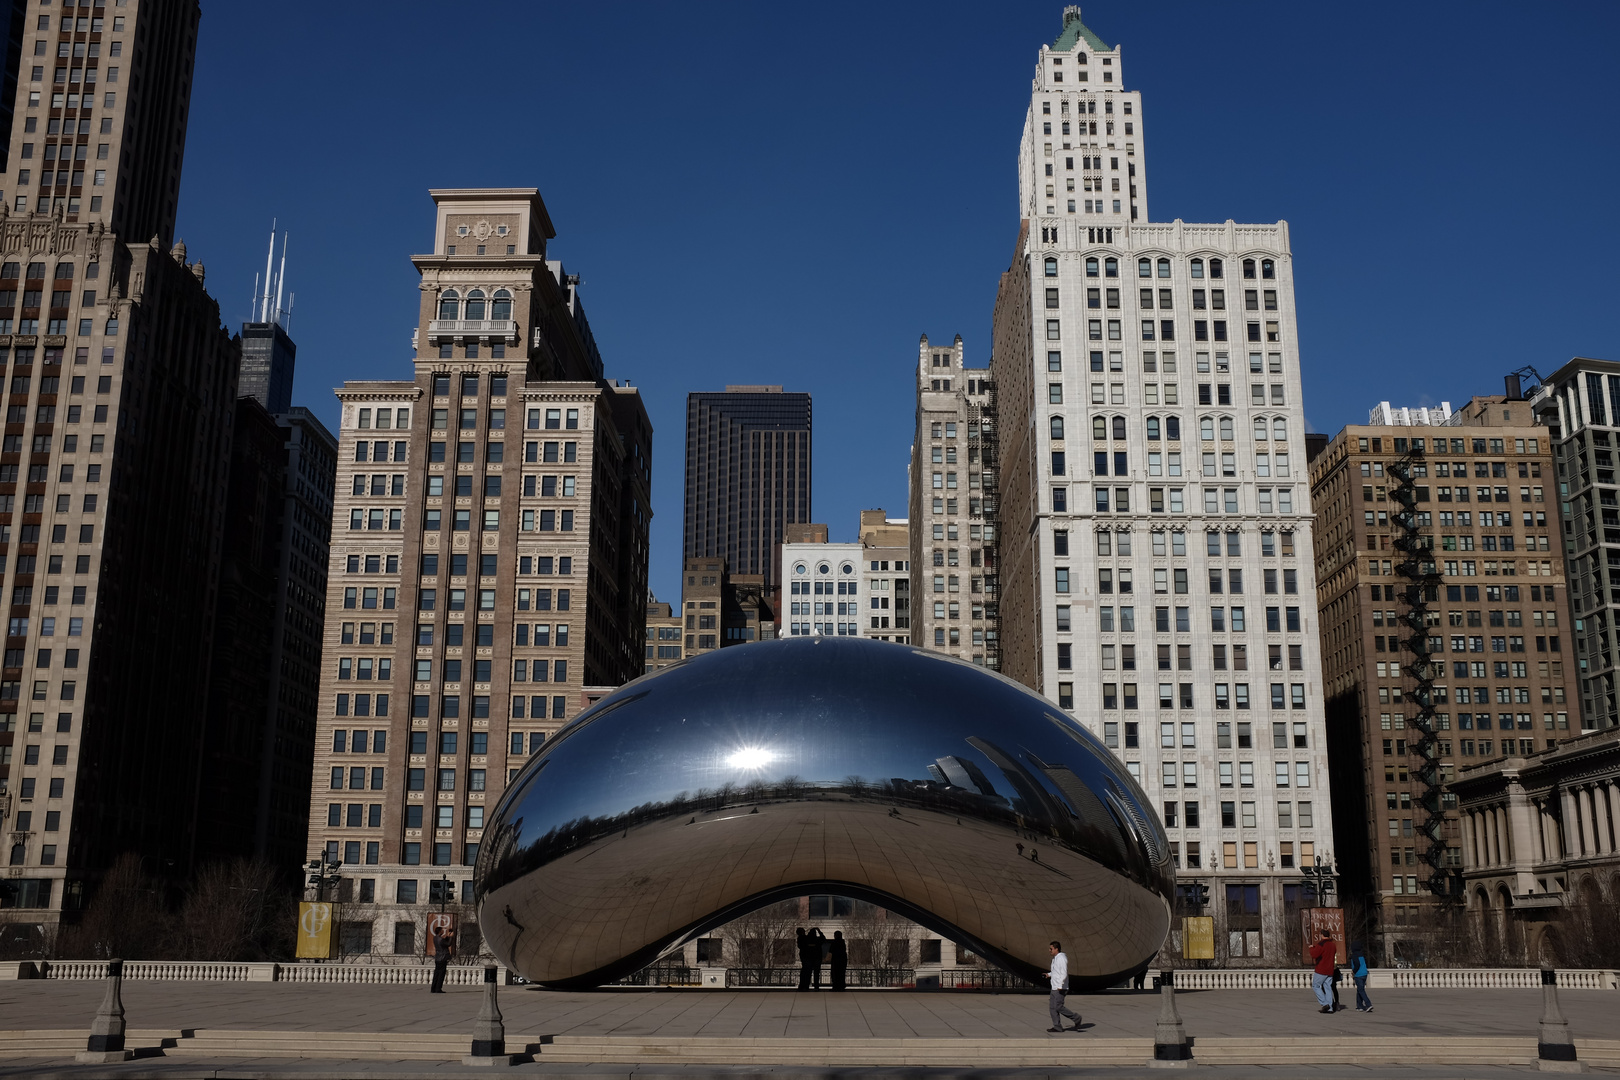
[[271, 1029]]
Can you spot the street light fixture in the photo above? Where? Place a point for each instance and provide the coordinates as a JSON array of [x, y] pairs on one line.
[[323, 872], [1319, 879]]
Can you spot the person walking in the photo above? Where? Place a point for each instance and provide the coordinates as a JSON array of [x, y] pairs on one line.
[[1059, 976], [1358, 972], [1325, 954], [441, 958], [804, 943], [839, 959]]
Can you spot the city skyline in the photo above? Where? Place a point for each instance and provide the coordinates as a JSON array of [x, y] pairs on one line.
[[903, 93]]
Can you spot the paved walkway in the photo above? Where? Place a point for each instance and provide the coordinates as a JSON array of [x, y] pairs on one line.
[[993, 1029], [47, 1004]]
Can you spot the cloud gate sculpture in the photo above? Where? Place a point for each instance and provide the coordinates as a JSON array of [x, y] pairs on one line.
[[947, 794]]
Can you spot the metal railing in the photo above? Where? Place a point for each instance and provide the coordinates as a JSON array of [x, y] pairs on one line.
[[789, 976], [662, 975], [984, 979]]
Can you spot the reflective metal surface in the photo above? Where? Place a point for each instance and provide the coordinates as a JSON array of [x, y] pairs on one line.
[[945, 793]]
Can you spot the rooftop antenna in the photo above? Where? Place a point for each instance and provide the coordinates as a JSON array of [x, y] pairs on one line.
[[269, 259], [287, 326], [253, 305], [281, 276]]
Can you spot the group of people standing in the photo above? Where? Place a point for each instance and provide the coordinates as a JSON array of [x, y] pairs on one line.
[[815, 949], [1325, 977]]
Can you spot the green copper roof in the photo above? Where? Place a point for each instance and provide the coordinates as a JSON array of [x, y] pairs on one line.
[[1074, 30]]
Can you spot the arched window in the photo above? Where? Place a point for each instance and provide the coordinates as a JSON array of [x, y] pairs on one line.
[[1198, 268], [502, 306], [449, 303], [1051, 268], [1172, 428], [1260, 429], [1119, 427], [475, 304], [1248, 269], [1268, 269], [1153, 429], [1206, 429], [847, 568], [798, 568], [1164, 268], [1144, 267], [1091, 267], [1057, 427], [1110, 268], [1099, 427], [1279, 429], [823, 569], [1216, 268], [1226, 429]]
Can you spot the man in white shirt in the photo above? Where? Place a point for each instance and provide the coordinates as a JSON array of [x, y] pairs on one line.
[[1059, 975]]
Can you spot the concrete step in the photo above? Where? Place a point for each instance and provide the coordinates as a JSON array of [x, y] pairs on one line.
[[53, 1041]]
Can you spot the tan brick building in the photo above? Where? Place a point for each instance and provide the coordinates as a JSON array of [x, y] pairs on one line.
[[955, 574], [663, 635], [488, 564], [1443, 606]]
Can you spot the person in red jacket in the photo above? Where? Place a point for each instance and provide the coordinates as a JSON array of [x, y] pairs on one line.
[[1326, 955]]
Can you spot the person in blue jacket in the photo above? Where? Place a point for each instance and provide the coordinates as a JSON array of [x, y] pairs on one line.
[[1358, 972]]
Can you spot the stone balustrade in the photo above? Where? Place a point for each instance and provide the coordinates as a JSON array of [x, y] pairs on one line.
[[472, 975]]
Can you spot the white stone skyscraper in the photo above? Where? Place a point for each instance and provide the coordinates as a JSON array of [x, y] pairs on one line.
[[1156, 557]]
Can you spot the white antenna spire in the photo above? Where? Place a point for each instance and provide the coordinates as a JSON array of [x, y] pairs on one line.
[[281, 276], [253, 307], [288, 324], [269, 259]]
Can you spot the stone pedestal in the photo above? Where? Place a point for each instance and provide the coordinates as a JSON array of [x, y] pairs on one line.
[[1170, 1047], [489, 1030], [1555, 1049], [106, 1042]]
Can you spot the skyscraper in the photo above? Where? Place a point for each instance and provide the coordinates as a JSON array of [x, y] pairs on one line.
[[1580, 406], [114, 92], [264, 679], [122, 389], [954, 511], [1156, 573], [747, 477], [474, 596]]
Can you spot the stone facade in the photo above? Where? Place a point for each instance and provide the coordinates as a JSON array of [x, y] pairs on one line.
[[1541, 852], [1151, 451]]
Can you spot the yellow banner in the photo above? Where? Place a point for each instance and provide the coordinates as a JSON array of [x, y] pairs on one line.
[[314, 931], [1198, 938]]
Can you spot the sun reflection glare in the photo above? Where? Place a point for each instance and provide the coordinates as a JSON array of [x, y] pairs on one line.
[[750, 757]]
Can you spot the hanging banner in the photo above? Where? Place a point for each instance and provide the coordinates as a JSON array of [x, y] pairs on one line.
[[314, 931], [441, 922], [1198, 938]]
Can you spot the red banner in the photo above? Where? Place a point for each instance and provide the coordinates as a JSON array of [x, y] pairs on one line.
[[1317, 921]]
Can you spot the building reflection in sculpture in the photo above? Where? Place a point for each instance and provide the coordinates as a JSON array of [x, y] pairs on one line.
[[945, 793]]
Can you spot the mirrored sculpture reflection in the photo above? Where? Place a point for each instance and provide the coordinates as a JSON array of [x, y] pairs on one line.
[[945, 793]]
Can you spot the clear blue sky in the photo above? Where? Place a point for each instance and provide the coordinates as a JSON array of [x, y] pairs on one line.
[[792, 193]]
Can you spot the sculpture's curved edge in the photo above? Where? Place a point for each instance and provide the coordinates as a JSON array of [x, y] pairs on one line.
[[648, 954]]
